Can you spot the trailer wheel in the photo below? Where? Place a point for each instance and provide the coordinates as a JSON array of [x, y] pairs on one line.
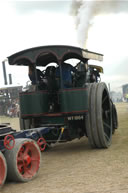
[[3, 169], [99, 118], [23, 160]]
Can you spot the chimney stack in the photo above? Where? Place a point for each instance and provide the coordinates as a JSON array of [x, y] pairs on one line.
[[4, 73], [10, 78]]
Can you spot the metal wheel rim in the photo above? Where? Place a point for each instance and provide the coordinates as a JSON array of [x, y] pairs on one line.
[[28, 160]]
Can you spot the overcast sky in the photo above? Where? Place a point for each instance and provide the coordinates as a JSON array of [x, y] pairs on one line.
[[26, 24]]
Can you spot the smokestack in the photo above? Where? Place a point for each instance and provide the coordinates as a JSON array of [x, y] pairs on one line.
[[10, 78], [4, 73]]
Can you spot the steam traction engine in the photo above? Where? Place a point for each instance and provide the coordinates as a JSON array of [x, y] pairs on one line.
[[67, 100]]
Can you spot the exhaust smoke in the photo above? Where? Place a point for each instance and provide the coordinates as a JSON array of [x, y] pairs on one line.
[[85, 11]]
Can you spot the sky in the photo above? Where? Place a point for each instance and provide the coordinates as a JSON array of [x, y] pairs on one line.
[[97, 27]]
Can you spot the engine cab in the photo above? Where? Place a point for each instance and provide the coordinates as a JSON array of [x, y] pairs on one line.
[[58, 92]]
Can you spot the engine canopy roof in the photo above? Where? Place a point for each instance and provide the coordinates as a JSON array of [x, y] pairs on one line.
[[43, 55]]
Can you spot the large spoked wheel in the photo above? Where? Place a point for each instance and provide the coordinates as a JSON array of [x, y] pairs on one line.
[[99, 118], [23, 160], [3, 169]]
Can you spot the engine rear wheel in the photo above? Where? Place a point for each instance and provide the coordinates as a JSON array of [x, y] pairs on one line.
[[23, 160], [99, 118], [3, 169]]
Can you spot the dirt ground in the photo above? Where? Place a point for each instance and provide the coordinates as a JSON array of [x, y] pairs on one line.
[[76, 168]]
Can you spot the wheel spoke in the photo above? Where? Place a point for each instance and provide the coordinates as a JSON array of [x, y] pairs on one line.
[[41, 143], [21, 167], [104, 99], [26, 170], [107, 125], [20, 156], [27, 149], [106, 136]]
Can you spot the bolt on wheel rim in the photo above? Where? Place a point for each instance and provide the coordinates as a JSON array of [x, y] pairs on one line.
[[28, 160]]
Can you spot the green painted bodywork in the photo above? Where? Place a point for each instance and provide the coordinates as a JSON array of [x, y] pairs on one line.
[[70, 101], [58, 120], [74, 100], [34, 103]]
